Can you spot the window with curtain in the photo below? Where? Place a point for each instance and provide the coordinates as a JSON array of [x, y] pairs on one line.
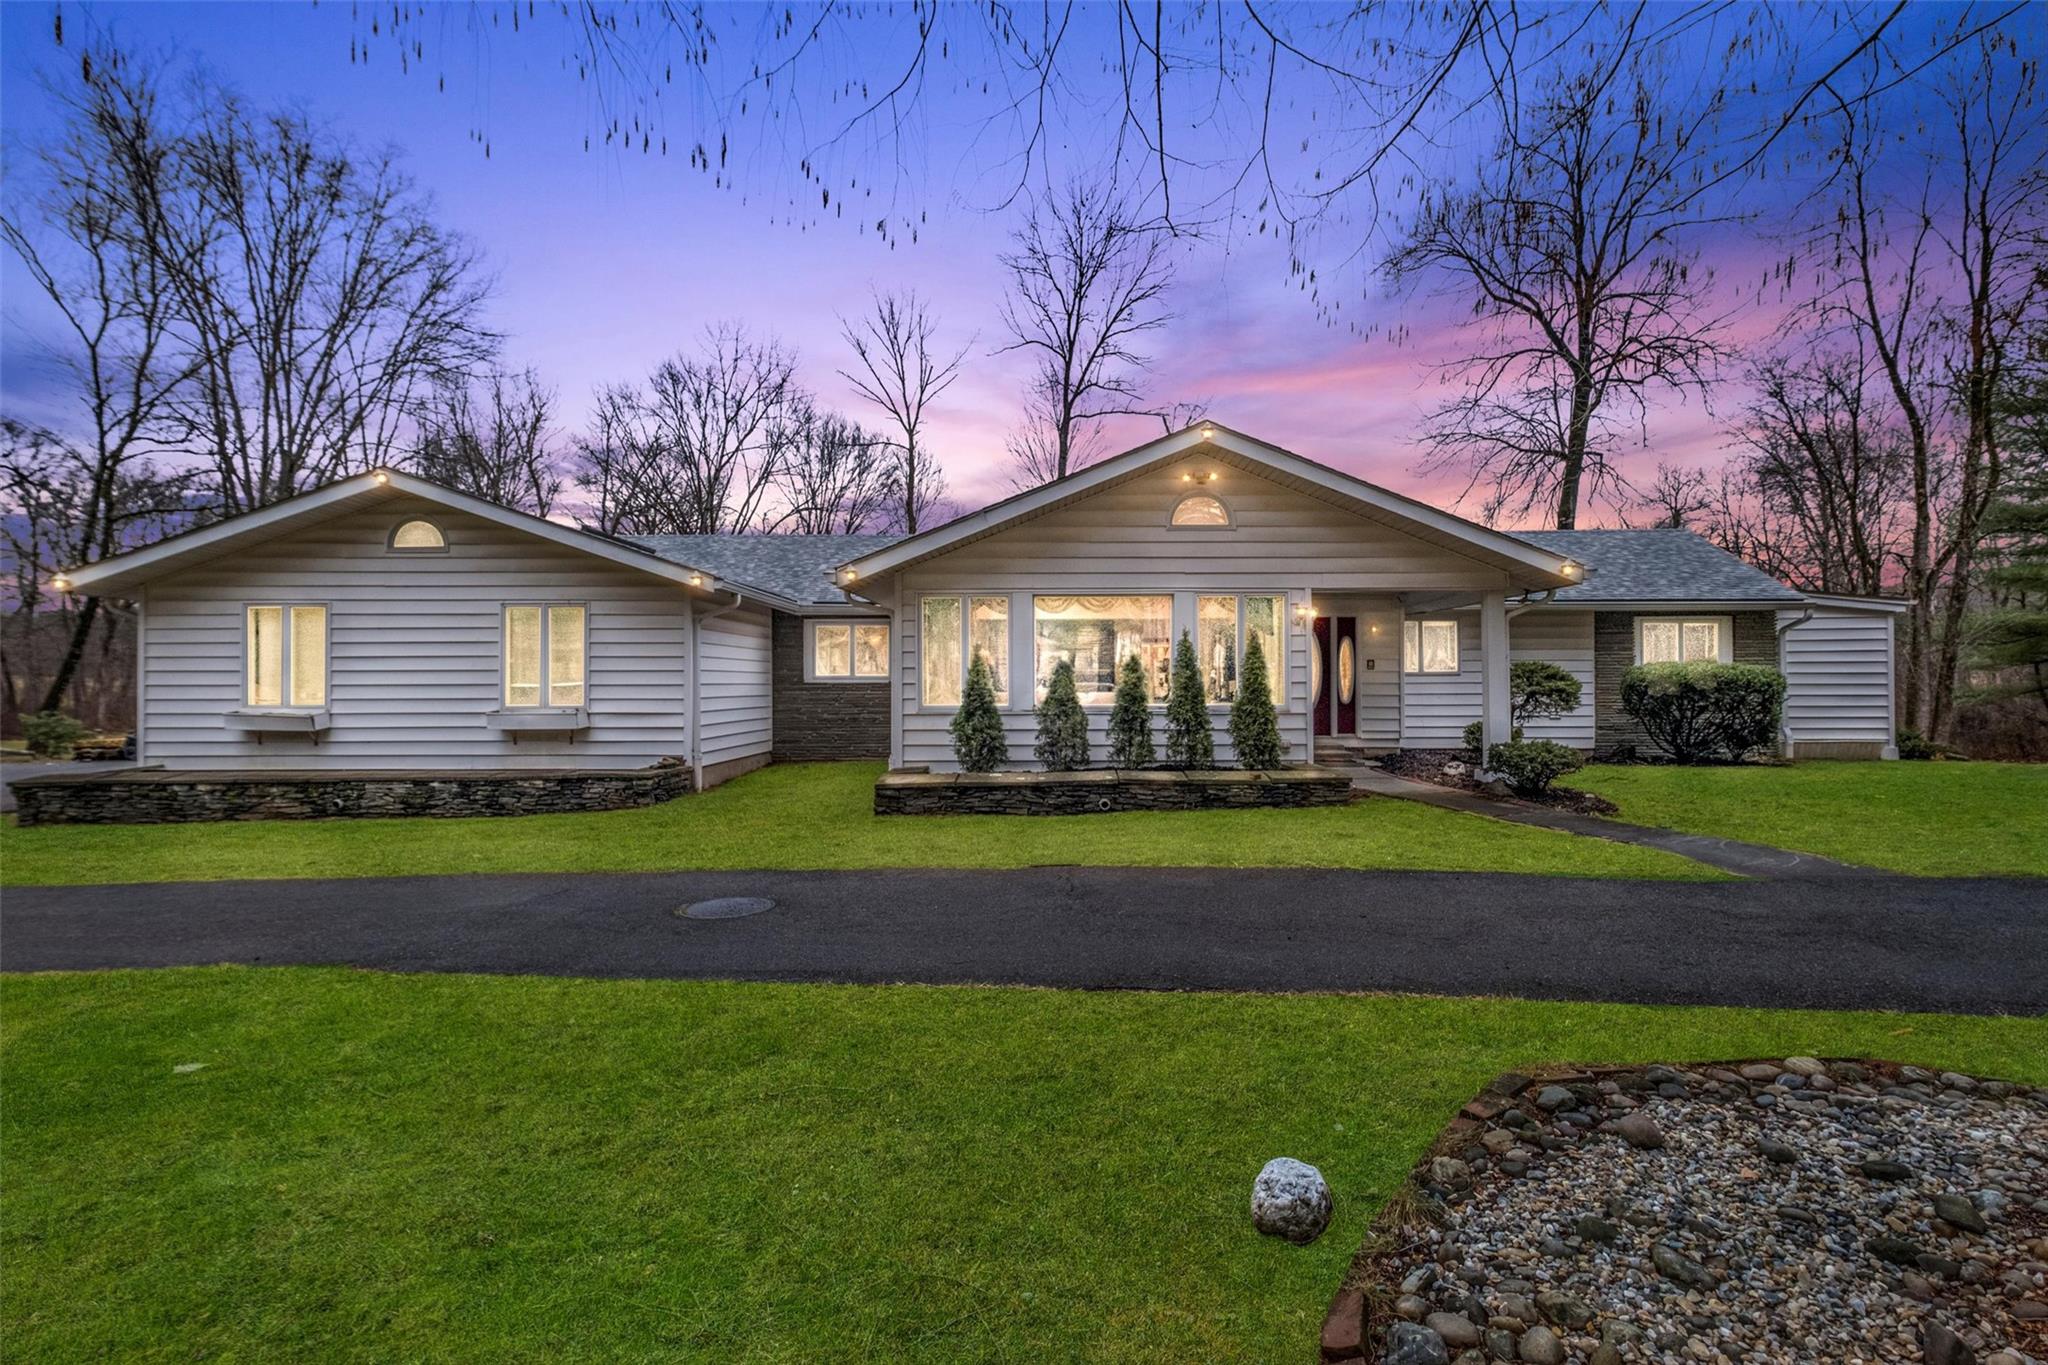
[[287, 656], [545, 651], [1429, 646], [1199, 509], [848, 651], [418, 535], [1097, 634], [1681, 641], [1223, 627], [955, 629]]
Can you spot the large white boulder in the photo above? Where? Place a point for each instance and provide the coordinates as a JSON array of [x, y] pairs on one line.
[[1290, 1199]]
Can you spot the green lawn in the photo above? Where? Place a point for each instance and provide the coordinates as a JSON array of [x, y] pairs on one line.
[[1933, 819], [797, 816], [388, 1167]]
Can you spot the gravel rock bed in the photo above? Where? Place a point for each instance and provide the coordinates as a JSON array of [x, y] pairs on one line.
[[1795, 1210]]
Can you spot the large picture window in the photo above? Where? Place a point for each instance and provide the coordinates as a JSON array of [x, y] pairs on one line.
[[1223, 627], [954, 630], [287, 662], [1429, 646], [1096, 634], [849, 651], [544, 655], [1681, 640]]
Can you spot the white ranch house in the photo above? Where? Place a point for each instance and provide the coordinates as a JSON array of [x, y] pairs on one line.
[[387, 624]]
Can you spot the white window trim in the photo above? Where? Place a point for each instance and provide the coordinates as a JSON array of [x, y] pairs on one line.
[[1229, 517], [1276, 667], [1724, 636], [546, 682], [392, 547], [811, 674], [284, 690], [1457, 647], [1006, 699]]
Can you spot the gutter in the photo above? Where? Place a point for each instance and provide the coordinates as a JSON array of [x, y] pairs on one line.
[[1785, 627], [697, 684]]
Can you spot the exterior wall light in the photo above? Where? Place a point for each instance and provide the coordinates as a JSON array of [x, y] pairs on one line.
[[381, 477], [696, 580], [61, 583], [1208, 433]]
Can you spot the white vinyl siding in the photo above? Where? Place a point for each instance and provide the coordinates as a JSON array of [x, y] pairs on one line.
[[414, 647], [1436, 707], [737, 708], [1838, 677]]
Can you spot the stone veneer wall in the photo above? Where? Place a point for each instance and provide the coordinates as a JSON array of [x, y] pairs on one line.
[[1614, 653], [1105, 790], [823, 720], [162, 796]]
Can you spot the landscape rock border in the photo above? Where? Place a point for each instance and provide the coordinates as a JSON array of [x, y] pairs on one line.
[[1524, 1136]]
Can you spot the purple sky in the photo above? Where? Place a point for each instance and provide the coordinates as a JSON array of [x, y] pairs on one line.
[[609, 261]]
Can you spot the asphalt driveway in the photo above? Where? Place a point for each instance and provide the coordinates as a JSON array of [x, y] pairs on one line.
[[1872, 942]]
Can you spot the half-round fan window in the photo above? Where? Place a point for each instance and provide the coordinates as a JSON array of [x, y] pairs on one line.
[[1199, 509], [418, 536]]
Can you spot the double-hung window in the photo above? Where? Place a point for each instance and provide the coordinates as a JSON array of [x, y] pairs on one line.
[[1225, 627], [1682, 639], [1429, 646], [544, 655], [287, 656], [849, 651], [952, 630]]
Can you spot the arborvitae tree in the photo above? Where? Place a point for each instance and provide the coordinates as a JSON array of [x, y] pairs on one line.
[[1130, 719], [1254, 726], [977, 727], [1188, 744], [1062, 725]]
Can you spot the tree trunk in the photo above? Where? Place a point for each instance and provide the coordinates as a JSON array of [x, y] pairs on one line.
[[74, 651]]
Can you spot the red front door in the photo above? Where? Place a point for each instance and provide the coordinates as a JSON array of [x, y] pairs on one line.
[[1343, 678], [1321, 678]]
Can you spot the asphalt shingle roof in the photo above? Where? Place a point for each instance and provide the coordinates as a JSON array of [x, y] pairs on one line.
[[793, 567], [1632, 566], [1658, 565]]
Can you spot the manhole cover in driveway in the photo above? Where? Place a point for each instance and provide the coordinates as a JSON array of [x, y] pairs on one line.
[[727, 907]]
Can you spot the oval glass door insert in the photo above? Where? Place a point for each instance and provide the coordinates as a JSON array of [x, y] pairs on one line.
[[1345, 677]]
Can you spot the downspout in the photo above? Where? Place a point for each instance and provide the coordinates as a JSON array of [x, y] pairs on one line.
[[697, 684], [1784, 728]]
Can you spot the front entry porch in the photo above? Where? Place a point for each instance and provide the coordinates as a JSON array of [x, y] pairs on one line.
[[1365, 698]]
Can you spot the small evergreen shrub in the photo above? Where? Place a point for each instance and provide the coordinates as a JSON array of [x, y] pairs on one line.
[[1475, 738], [1062, 725], [51, 734], [1130, 719], [1529, 766], [977, 726], [1699, 711], [1254, 726], [1188, 742], [1540, 690]]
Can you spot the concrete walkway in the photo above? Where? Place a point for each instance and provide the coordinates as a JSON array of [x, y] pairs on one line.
[[1871, 942], [1730, 855]]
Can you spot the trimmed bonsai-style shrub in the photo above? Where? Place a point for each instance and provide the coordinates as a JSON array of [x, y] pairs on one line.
[[1130, 719], [1254, 726], [1700, 711], [1188, 742], [1540, 690], [977, 726], [51, 734], [1062, 725], [1529, 766]]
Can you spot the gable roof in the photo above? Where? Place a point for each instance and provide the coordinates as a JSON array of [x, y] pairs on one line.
[[118, 573], [1662, 565], [1539, 566], [795, 567]]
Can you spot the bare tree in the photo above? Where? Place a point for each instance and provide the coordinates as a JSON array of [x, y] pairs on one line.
[[900, 374], [80, 229], [314, 297], [836, 478], [1088, 280], [493, 440], [1676, 496], [1572, 246], [702, 449]]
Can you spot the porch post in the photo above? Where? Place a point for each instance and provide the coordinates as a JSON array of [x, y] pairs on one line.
[[1493, 667]]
